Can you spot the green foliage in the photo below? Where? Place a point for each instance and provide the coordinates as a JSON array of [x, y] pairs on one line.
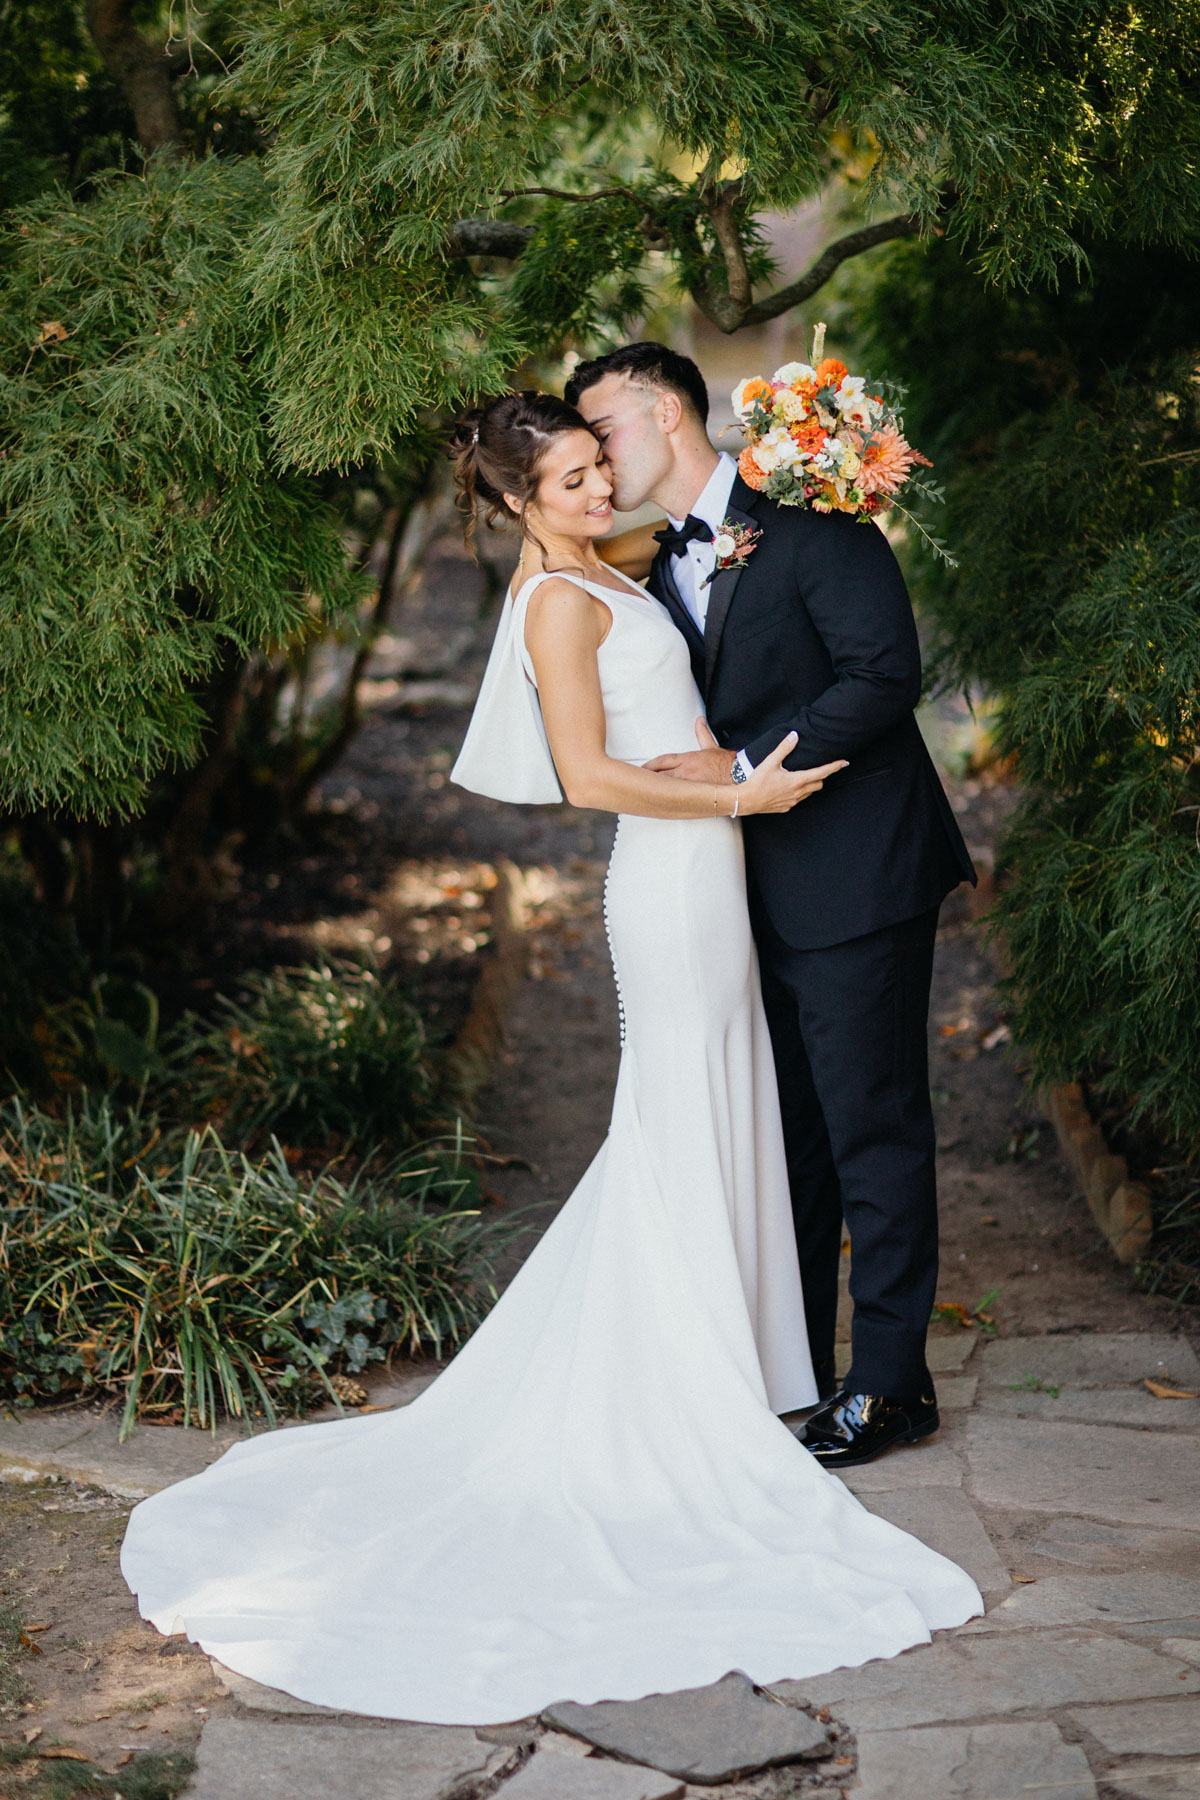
[[1069, 426], [308, 1054], [1102, 917], [150, 1776], [1031, 124], [12, 1654], [186, 1277], [146, 530]]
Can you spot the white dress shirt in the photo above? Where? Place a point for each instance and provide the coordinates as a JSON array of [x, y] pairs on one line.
[[692, 566], [697, 560]]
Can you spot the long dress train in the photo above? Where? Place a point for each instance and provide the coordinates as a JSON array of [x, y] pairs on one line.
[[596, 1499]]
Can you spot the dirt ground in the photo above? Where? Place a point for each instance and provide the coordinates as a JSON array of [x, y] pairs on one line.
[[400, 861]]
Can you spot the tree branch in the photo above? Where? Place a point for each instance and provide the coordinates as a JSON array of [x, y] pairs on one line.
[[488, 237], [906, 225], [142, 73], [719, 205], [611, 193]]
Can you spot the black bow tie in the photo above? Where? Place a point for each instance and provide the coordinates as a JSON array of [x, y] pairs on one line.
[[676, 542]]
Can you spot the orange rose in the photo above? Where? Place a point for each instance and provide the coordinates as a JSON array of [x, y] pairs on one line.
[[749, 470], [830, 372]]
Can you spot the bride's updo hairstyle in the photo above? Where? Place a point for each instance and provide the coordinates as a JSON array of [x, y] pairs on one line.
[[498, 450]]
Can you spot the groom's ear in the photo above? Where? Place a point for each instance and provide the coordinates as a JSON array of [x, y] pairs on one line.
[[668, 411]]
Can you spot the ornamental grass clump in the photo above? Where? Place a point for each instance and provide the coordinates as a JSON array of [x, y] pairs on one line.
[[314, 1054], [187, 1279]]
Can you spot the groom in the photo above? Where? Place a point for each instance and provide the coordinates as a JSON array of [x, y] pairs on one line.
[[814, 633]]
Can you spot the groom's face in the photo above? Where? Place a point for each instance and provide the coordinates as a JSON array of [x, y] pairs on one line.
[[626, 419]]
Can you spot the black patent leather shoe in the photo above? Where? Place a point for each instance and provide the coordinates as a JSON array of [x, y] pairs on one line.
[[855, 1428]]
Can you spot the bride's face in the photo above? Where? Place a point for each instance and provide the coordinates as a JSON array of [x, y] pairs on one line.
[[574, 493]]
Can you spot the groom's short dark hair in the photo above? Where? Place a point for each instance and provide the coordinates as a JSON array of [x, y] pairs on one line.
[[649, 365]]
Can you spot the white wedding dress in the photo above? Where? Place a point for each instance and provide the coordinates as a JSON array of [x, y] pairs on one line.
[[595, 1500]]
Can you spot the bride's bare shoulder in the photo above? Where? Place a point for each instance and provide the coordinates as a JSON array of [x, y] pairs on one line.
[[561, 607]]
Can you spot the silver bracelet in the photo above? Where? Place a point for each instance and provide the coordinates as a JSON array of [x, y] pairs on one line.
[[737, 801]]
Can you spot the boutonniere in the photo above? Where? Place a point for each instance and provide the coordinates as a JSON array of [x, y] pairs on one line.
[[733, 544]]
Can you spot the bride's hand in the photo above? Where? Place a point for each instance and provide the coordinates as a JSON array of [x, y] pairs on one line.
[[774, 789]]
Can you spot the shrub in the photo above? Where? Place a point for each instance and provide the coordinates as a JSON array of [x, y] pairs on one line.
[[188, 1277], [311, 1054]]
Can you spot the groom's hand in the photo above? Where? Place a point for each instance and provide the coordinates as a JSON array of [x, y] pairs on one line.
[[696, 765], [710, 764]]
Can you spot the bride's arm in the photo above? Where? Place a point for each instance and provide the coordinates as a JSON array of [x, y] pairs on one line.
[[632, 552], [564, 629]]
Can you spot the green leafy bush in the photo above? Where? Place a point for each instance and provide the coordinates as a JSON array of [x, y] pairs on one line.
[[186, 1277], [311, 1054], [1067, 425]]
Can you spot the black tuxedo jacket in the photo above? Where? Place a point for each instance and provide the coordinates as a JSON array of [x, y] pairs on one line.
[[815, 634]]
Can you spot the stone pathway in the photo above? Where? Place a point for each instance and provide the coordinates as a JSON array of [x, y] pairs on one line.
[[1059, 1479]]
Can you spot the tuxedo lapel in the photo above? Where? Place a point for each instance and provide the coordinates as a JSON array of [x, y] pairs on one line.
[[662, 586], [725, 581]]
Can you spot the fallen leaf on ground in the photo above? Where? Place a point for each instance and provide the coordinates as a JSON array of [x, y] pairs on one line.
[[1157, 1388], [60, 1753], [36, 1628], [30, 1644], [33, 1734], [953, 1312], [126, 1758], [1024, 1580]]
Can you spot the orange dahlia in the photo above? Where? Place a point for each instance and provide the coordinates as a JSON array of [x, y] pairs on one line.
[[829, 372], [887, 462], [756, 390], [749, 470]]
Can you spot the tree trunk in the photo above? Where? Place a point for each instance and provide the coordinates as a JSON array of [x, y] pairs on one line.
[[139, 70]]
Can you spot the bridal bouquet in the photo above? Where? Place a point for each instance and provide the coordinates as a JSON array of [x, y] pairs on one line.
[[815, 437]]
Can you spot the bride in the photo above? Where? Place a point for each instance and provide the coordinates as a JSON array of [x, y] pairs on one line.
[[596, 1499]]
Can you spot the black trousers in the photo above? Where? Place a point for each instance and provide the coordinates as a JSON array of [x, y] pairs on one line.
[[848, 1027]]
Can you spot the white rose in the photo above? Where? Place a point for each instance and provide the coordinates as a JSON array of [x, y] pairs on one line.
[[794, 371], [724, 545]]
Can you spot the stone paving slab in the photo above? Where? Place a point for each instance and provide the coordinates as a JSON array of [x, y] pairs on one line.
[[972, 1762], [1096, 1406], [946, 1354], [1151, 1780], [979, 1677], [704, 1735], [931, 1464], [1151, 1728], [1102, 1470], [944, 1519], [956, 1393], [1093, 1359], [1087, 1599], [86, 1448], [256, 1759], [550, 1776], [1085, 1543], [266, 1699]]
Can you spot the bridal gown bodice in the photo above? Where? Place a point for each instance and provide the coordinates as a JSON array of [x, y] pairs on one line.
[[596, 1498]]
